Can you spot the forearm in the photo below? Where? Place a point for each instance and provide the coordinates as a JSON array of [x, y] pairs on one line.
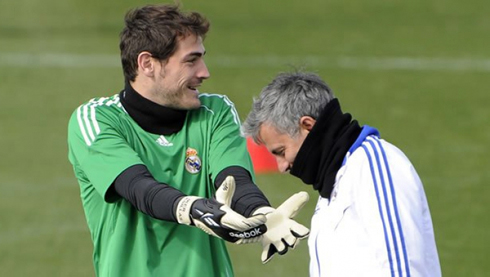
[[212, 215], [248, 196], [137, 185]]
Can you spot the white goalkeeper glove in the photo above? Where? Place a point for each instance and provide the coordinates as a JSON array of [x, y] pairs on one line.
[[215, 216], [282, 231]]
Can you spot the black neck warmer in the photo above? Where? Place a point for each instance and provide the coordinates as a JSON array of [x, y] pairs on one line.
[[150, 116], [324, 149]]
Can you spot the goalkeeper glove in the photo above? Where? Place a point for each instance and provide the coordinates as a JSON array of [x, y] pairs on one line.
[[215, 216], [282, 232]]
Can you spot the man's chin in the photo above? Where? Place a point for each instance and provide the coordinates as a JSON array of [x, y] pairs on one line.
[[193, 104]]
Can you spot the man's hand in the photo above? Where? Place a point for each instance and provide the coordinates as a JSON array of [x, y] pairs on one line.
[[215, 216], [282, 232]]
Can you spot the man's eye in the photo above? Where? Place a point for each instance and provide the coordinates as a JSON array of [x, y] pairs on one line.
[[279, 153]]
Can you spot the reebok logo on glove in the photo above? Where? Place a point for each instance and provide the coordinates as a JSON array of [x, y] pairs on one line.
[[246, 235]]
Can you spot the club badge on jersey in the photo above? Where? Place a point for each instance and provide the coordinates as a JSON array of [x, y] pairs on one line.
[[192, 161]]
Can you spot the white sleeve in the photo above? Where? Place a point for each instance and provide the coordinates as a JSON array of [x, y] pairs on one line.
[[391, 203]]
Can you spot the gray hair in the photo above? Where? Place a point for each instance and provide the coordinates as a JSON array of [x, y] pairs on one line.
[[285, 100]]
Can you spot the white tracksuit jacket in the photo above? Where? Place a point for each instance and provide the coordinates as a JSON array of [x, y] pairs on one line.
[[377, 222]]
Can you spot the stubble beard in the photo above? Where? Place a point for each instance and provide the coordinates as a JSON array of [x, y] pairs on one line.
[[183, 100]]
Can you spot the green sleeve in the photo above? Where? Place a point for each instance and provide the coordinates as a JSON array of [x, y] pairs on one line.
[[97, 148]]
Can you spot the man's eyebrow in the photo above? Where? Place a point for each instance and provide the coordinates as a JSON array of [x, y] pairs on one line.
[[195, 54]]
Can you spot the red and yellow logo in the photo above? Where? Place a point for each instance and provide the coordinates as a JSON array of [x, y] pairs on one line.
[[192, 161]]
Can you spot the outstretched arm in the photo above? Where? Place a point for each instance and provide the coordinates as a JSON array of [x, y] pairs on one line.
[[212, 215]]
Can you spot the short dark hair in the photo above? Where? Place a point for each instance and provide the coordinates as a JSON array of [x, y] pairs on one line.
[[156, 29]]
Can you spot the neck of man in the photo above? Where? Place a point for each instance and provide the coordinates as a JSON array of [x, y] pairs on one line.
[[144, 88], [151, 116]]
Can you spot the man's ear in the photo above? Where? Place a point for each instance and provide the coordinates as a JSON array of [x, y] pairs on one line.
[[307, 122], [146, 65]]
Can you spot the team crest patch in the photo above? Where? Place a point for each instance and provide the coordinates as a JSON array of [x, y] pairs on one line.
[[192, 161]]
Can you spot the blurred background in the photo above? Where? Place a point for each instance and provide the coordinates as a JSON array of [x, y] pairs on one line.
[[417, 70]]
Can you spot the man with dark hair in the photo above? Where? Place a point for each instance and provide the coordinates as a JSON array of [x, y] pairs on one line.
[[372, 216], [160, 156]]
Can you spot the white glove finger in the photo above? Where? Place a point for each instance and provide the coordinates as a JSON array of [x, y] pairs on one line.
[[296, 243], [293, 204], [290, 241], [236, 221], [267, 253], [300, 231], [226, 190], [281, 247]]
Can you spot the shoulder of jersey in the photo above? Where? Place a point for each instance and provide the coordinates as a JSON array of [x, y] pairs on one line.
[[87, 117], [211, 100], [218, 103], [110, 104]]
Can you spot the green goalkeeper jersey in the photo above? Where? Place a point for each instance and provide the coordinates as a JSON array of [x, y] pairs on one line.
[[104, 140]]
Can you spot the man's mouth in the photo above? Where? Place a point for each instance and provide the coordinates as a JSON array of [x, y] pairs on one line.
[[194, 88]]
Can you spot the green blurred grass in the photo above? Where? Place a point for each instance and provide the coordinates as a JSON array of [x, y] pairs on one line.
[[437, 116]]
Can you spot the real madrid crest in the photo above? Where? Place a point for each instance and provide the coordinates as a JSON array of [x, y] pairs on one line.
[[192, 161]]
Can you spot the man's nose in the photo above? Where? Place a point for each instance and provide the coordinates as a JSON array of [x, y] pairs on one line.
[[203, 72], [282, 165]]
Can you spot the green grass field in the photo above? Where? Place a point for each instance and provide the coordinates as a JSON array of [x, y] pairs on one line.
[[417, 70]]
